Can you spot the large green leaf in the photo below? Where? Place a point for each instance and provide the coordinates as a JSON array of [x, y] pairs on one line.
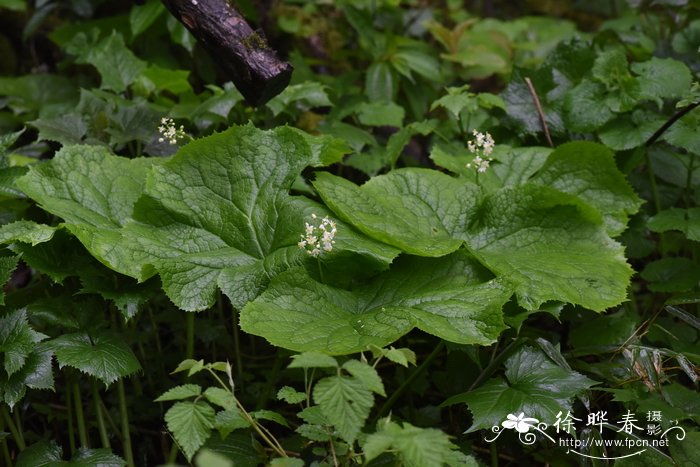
[[216, 213], [548, 244], [533, 385], [450, 297], [102, 355], [588, 171], [416, 210]]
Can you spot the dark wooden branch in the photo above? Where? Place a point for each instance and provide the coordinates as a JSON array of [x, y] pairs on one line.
[[674, 118], [244, 54]]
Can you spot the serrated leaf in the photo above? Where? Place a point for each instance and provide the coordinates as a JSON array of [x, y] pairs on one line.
[[177, 393], [6, 142], [380, 114], [533, 385], [229, 420], [366, 374], [36, 373], [583, 107], [191, 424], [315, 432], [17, 339], [271, 416], [313, 360], [7, 265], [588, 171], [414, 446], [102, 355], [685, 220], [290, 395], [41, 454], [220, 397], [143, 15], [27, 232], [346, 403], [116, 64], [313, 415], [92, 457], [66, 129], [450, 297], [661, 78]]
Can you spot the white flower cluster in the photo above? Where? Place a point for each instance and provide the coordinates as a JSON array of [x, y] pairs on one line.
[[169, 132], [316, 239], [482, 147]]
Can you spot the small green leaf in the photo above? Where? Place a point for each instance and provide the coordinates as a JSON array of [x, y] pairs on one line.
[[177, 393], [191, 424], [290, 395], [17, 340], [313, 360], [27, 232], [685, 220], [117, 65], [414, 446], [142, 16], [366, 374], [7, 265], [41, 454], [271, 416], [671, 275], [220, 397], [379, 113], [229, 420], [36, 373], [661, 78], [527, 388], [401, 356], [584, 109], [346, 403], [66, 129], [380, 82], [208, 458], [287, 462], [102, 355], [92, 457]]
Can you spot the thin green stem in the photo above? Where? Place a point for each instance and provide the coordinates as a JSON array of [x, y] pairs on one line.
[[262, 431], [189, 345], [80, 416], [104, 438], [16, 434], [69, 411], [495, 363], [124, 415], [655, 196], [5, 448], [494, 455], [389, 403], [237, 346]]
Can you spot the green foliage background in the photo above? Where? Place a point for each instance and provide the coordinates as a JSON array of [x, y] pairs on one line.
[[158, 308]]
